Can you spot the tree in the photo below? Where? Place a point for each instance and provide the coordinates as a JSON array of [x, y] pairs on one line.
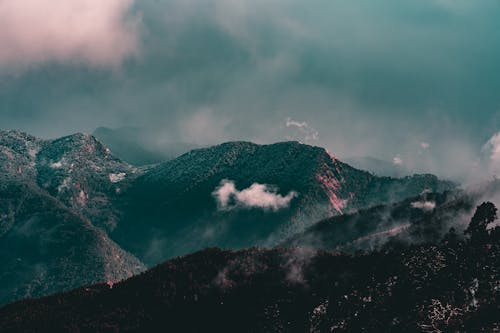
[[485, 214]]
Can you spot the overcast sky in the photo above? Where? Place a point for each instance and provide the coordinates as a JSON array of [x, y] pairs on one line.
[[412, 81]]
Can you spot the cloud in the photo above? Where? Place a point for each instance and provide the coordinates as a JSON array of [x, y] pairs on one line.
[[425, 145], [219, 70], [302, 131], [94, 32], [424, 205], [202, 126], [491, 152], [397, 160], [256, 196], [297, 261]]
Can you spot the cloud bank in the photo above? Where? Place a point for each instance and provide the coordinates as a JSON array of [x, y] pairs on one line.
[[491, 152], [93, 32], [256, 196]]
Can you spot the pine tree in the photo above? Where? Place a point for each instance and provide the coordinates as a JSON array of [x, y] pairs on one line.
[[485, 214]]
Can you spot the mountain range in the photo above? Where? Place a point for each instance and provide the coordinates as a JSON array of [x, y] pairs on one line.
[[72, 214]]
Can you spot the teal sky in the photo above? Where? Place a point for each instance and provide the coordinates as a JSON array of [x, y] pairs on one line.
[[415, 79]]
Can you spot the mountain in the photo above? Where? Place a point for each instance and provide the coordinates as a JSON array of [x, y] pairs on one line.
[[241, 194], [54, 195], [46, 247], [78, 170], [72, 213], [427, 217], [450, 286], [133, 145], [81, 172], [424, 218]]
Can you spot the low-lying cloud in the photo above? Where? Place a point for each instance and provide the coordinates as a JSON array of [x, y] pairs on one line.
[[424, 205], [491, 152], [263, 196], [93, 32], [302, 131]]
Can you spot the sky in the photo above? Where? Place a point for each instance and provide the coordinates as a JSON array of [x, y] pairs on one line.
[[414, 82]]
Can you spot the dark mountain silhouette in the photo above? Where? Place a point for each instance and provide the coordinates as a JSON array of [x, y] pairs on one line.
[[449, 286]]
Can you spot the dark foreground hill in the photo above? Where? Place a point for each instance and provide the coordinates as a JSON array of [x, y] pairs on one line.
[[452, 286]]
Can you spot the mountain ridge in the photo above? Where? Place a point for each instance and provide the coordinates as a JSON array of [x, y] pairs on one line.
[[152, 213]]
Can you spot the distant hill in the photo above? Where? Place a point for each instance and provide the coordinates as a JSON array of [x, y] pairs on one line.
[[424, 218], [133, 145]]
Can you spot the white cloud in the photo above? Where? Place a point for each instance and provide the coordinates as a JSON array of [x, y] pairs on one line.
[[203, 126], [304, 132], [94, 32], [424, 205], [397, 160], [425, 145], [491, 150], [256, 196]]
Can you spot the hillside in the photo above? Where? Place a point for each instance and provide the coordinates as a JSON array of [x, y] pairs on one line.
[[450, 286], [46, 247], [54, 195], [240, 194]]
